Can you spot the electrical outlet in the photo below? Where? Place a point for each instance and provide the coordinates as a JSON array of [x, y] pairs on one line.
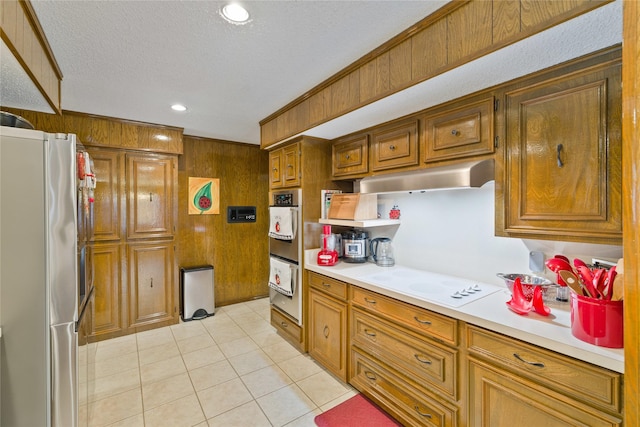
[[536, 261]]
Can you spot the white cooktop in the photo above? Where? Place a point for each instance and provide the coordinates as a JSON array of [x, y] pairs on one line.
[[438, 288]]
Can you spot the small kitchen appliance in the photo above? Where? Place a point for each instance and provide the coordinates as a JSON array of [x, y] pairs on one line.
[[382, 252], [328, 254], [355, 249]]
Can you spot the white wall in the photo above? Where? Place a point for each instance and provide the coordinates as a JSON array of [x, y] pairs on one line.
[[452, 232]]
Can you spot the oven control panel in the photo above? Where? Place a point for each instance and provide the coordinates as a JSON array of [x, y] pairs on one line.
[[283, 199]]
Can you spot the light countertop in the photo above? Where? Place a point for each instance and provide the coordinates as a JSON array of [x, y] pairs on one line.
[[552, 332]]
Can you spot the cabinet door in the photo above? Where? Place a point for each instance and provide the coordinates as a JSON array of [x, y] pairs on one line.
[[275, 166], [107, 205], [150, 283], [327, 333], [291, 165], [150, 189], [562, 176], [395, 146], [458, 132], [498, 398], [351, 156], [107, 306]]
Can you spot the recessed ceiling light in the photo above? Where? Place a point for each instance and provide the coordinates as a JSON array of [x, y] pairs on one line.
[[178, 107], [235, 13]]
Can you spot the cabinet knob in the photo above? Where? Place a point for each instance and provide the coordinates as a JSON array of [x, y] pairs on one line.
[[392, 147], [151, 197], [455, 132], [326, 331], [152, 282], [284, 324], [326, 285], [369, 333], [348, 156], [421, 359], [370, 375], [369, 301]]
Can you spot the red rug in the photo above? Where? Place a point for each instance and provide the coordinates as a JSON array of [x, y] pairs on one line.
[[356, 412]]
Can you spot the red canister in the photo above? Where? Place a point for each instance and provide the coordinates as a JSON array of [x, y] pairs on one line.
[[597, 321]]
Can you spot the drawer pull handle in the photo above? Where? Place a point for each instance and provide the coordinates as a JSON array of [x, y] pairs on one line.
[[326, 285], [455, 132], [422, 413], [370, 375], [424, 322], [348, 157], [537, 364], [559, 148], [392, 147], [283, 324], [325, 331], [370, 301], [371, 334], [420, 359]]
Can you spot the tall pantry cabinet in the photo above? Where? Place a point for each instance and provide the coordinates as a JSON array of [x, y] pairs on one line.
[[134, 249]]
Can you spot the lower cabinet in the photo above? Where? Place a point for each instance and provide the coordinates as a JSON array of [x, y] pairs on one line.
[[108, 305], [497, 398], [151, 281], [328, 332], [426, 369], [287, 328]]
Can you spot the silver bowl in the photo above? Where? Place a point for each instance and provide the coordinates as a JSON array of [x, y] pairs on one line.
[[529, 283]]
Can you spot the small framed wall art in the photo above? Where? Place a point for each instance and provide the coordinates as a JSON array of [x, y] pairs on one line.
[[204, 196]]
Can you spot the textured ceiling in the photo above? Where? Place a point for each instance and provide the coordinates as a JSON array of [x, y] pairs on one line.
[[133, 59]]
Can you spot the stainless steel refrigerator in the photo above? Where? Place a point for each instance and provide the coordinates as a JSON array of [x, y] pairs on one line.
[[41, 299]]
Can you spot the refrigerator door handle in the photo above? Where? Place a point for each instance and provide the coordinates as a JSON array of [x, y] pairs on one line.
[[64, 375]]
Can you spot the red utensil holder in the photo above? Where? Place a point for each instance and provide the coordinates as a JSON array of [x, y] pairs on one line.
[[597, 321]]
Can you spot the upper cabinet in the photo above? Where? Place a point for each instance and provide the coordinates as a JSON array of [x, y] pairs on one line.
[[284, 164], [150, 188], [458, 131], [395, 146], [562, 171], [350, 156]]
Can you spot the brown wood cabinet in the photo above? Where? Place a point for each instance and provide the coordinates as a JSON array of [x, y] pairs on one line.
[[562, 173], [328, 323], [150, 190], [284, 164], [395, 146], [350, 156], [132, 241], [458, 131], [151, 284], [287, 328], [515, 384], [108, 313]]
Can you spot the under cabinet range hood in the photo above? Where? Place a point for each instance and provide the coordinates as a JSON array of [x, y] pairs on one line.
[[458, 175]]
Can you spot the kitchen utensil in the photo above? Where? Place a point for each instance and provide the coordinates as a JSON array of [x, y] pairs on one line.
[[519, 303], [528, 283], [571, 280], [558, 264], [598, 280], [562, 257], [538, 304], [382, 251], [586, 279], [608, 283], [577, 262]]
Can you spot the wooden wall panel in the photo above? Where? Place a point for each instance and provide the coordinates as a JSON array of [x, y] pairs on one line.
[[458, 32], [506, 19], [239, 253], [429, 50], [631, 226], [469, 31]]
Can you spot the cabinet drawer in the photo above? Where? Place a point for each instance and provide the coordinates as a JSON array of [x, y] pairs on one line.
[[580, 380], [457, 133], [418, 319], [289, 329], [395, 146], [430, 364], [414, 407], [351, 156], [328, 285]]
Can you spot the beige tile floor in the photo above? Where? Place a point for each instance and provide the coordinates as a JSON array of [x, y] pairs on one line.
[[231, 369]]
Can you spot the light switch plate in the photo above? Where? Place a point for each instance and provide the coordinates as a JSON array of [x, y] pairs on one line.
[[536, 261]]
